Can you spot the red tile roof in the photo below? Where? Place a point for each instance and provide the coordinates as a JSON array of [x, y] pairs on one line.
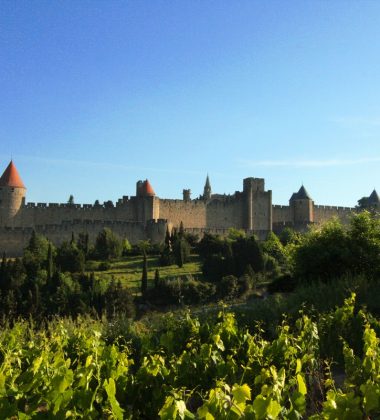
[[147, 189], [11, 177]]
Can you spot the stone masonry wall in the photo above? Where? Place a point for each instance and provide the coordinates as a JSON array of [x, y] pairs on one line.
[[226, 213], [14, 240], [191, 213], [324, 213], [281, 214]]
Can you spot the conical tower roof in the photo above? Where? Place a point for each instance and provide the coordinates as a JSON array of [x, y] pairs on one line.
[[147, 188], [374, 198], [302, 194], [11, 177]]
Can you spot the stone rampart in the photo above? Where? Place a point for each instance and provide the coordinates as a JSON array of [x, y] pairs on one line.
[[281, 214], [191, 213], [14, 240], [223, 214], [324, 213]]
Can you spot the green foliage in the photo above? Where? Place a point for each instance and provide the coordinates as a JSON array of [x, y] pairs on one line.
[[107, 245], [190, 369], [70, 258], [332, 250], [144, 277], [181, 250]]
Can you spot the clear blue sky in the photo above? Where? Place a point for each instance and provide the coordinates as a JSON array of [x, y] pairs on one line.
[[98, 94]]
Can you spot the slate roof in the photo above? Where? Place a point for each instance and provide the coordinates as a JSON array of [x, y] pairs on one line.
[[374, 198], [302, 194]]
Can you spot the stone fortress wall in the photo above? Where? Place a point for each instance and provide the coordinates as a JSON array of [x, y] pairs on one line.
[[146, 216]]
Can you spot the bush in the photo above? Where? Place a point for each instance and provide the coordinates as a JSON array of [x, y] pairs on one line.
[[283, 284], [228, 288], [181, 291]]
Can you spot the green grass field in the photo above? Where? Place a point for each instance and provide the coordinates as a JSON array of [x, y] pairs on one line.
[[129, 270]]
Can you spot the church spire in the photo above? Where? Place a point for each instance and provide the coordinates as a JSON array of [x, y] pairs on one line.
[[207, 189]]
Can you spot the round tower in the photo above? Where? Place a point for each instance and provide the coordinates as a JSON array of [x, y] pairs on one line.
[[302, 207], [12, 195]]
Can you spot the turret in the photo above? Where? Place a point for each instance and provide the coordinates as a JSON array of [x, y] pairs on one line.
[[374, 200], [186, 195], [207, 189], [147, 204], [144, 189], [302, 207], [12, 195]]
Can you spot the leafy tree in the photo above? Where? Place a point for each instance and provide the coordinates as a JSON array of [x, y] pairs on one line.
[[234, 234], [70, 258], [35, 254], [289, 236], [107, 245], [247, 251], [364, 239], [273, 248]]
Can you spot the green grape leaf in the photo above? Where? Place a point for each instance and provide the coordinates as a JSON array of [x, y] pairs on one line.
[[110, 388], [301, 385], [299, 366], [371, 394], [260, 405], [241, 393], [273, 410]]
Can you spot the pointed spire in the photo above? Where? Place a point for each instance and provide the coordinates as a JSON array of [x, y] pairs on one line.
[[11, 177], [374, 198], [207, 184], [207, 189]]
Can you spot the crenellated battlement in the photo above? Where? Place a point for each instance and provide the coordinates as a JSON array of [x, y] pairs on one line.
[[146, 216], [334, 208]]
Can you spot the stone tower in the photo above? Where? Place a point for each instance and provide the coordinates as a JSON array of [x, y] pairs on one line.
[[258, 205], [301, 207], [12, 195], [148, 205], [207, 189]]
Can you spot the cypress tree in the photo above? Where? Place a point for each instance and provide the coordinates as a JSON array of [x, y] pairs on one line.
[[50, 265], [156, 279], [3, 269], [181, 232], [167, 237], [144, 278]]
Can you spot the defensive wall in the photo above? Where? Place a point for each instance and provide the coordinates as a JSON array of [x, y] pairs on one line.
[[146, 216], [324, 213], [14, 239]]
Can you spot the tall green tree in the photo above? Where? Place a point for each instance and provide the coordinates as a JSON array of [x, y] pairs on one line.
[[108, 245], [144, 277]]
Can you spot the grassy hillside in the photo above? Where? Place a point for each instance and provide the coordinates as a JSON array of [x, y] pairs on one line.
[[129, 270]]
